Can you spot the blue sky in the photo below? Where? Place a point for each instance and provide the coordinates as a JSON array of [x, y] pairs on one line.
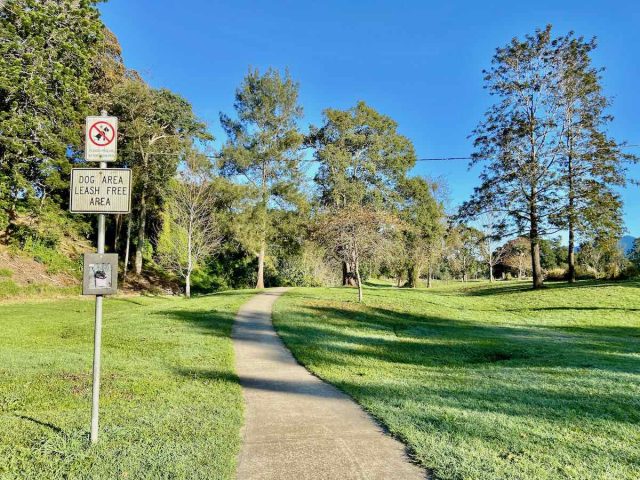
[[418, 61]]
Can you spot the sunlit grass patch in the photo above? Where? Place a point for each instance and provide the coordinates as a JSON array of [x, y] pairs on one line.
[[171, 405], [486, 381]]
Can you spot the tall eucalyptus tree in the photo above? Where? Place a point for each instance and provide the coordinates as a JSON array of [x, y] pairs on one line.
[[263, 148]]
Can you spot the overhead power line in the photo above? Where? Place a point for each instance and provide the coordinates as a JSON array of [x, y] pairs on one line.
[[444, 159], [441, 159], [428, 159]]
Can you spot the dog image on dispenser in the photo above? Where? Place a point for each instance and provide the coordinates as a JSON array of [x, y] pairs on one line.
[[100, 275]]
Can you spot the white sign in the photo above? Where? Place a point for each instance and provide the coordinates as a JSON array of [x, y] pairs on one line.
[[101, 139], [100, 190]]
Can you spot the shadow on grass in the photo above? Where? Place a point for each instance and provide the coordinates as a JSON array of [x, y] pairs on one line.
[[446, 341], [386, 286], [486, 289], [206, 374], [557, 361], [207, 321], [304, 388], [48, 425]]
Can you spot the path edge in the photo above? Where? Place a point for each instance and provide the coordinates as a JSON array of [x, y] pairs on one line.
[[408, 451]]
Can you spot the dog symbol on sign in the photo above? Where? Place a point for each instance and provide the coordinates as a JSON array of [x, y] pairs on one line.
[[101, 134]]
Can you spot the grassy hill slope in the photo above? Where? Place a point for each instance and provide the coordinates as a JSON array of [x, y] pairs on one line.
[[486, 381]]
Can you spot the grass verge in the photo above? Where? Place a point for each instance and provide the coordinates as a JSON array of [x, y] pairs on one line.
[[171, 406], [486, 381]]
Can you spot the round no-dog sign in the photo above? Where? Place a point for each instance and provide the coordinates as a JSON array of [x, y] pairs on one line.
[[101, 139]]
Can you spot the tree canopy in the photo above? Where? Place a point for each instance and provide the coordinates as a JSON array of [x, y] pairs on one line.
[[263, 148], [549, 164], [45, 73], [284, 205]]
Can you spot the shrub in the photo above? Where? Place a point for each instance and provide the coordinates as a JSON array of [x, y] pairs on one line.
[[556, 274], [49, 256], [8, 288], [629, 272], [205, 281], [292, 272], [585, 273], [25, 234], [310, 268]]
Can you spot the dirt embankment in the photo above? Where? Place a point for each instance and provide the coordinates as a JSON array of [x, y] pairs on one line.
[[27, 271]]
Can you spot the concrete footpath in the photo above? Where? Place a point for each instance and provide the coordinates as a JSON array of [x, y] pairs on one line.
[[296, 426]]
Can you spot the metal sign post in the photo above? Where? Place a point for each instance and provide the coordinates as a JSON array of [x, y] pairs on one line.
[[97, 339], [102, 191]]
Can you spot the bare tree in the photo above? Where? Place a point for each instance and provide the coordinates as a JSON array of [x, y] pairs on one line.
[[355, 235], [190, 232], [490, 250], [153, 123], [462, 243], [518, 256]]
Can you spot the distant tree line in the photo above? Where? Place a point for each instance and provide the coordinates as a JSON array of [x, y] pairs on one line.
[[250, 214]]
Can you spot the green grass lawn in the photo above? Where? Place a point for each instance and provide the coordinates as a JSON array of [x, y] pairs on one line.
[[486, 382], [171, 406]]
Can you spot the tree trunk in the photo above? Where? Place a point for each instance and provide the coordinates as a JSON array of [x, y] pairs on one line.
[[187, 287], [260, 281], [534, 238], [345, 274], [141, 232], [413, 273], [116, 233], [263, 242], [571, 259], [536, 269], [348, 277], [571, 274], [358, 281], [127, 247], [490, 272], [429, 276]]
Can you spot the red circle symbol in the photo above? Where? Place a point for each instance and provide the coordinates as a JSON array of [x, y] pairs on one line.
[[101, 134]]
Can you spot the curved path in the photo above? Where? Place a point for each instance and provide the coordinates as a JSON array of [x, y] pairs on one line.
[[296, 426]]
